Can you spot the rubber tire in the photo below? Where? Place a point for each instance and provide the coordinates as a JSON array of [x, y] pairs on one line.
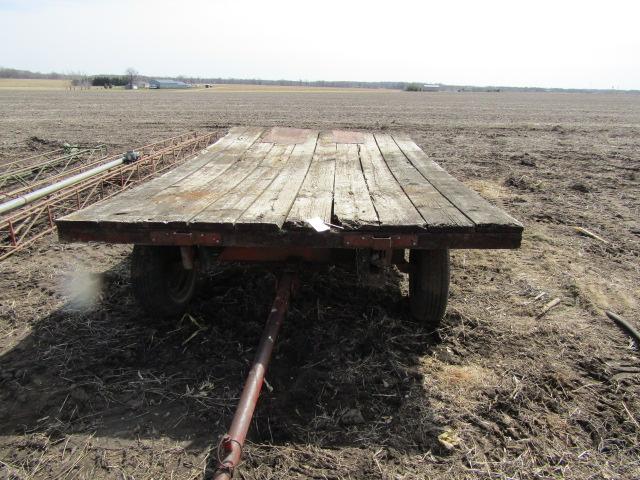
[[161, 285], [429, 286]]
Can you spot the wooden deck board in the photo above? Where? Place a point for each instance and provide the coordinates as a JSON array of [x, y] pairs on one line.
[[437, 211], [270, 209], [183, 200], [227, 209], [270, 181], [390, 201], [315, 198], [178, 196], [476, 208], [129, 202], [352, 205]]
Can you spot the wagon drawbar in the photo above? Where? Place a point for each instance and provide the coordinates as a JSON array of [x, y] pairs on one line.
[[248, 198]]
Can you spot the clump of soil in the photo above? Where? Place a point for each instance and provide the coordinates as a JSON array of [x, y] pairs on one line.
[[580, 187], [38, 144], [525, 159], [523, 182]]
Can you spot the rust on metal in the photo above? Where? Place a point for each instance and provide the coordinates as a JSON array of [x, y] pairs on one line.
[[183, 239], [46, 168], [275, 254], [50, 215], [12, 233], [360, 240], [230, 451], [30, 223], [427, 240]]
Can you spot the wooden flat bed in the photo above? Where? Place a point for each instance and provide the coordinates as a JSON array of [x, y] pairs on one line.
[[256, 187], [248, 198]]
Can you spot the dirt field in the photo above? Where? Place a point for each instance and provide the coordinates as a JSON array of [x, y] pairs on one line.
[[33, 84], [96, 389]]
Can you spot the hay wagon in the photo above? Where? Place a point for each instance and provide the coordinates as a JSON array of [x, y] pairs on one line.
[[287, 196]]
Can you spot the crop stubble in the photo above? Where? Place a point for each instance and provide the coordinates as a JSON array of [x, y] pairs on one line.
[[97, 389]]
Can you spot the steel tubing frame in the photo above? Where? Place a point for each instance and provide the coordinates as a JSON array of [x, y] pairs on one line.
[[30, 176], [25, 226], [144, 151], [233, 442], [35, 195]]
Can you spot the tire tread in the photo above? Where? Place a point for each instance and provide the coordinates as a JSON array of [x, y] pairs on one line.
[[149, 271]]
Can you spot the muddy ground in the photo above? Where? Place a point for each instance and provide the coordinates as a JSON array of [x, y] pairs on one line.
[[91, 387]]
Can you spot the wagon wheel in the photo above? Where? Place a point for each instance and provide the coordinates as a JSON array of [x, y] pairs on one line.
[[429, 286], [161, 284]]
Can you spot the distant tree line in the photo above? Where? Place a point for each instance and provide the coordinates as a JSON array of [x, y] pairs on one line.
[[106, 80], [15, 73], [413, 87], [120, 80], [295, 83], [131, 75]]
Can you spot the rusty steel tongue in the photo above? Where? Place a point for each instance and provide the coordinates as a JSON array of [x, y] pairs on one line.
[[231, 444]]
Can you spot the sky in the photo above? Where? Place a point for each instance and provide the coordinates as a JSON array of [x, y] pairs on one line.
[[561, 43]]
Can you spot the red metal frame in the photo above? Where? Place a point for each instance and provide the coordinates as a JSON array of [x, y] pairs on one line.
[[31, 176], [275, 254], [157, 234], [185, 239], [377, 242], [22, 228]]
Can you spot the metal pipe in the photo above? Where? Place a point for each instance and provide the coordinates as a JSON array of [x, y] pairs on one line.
[[233, 441], [44, 191], [30, 222], [58, 176]]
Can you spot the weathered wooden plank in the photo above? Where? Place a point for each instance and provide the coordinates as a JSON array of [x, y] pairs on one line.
[[347, 136], [134, 200], [228, 208], [184, 200], [270, 209], [352, 205], [436, 210], [285, 135], [481, 212], [231, 157], [70, 231], [315, 198], [379, 183], [186, 197], [390, 201]]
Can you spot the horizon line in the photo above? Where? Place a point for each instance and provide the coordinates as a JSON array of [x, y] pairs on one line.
[[379, 83]]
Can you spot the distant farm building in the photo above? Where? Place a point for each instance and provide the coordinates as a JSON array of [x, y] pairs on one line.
[[168, 84], [430, 87]]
